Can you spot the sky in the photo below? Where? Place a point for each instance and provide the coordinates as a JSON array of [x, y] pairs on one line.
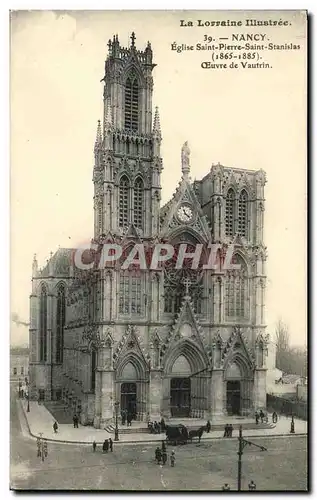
[[253, 119]]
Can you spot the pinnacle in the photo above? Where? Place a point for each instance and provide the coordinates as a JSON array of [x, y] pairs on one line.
[[156, 124], [98, 141]]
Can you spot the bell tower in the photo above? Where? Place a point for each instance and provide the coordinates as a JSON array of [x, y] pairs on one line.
[[128, 165]]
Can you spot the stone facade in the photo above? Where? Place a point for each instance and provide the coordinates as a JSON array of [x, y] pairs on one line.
[[160, 342]]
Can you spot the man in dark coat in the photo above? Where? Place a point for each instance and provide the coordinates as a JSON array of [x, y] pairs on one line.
[[256, 417], [252, 486], [230, 430], [158, 455], [55, 427], [105, 446], [163, 425], [94, 446], [208, 426], [122, 417], [110, 444], [226, 433]]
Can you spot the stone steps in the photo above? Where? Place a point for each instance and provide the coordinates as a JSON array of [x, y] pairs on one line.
[[60, 412]]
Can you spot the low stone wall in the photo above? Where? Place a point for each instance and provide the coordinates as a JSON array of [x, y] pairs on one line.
[[287, 407]]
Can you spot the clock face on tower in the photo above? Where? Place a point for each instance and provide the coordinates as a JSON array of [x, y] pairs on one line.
[[185, 213]]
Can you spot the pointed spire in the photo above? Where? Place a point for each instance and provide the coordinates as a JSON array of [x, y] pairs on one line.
[[185, 160], [34, 266], [98, 141], [156, 123]]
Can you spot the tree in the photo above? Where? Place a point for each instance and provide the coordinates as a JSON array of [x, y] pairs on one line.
[[289, 359], [281, 336], [282, 347]]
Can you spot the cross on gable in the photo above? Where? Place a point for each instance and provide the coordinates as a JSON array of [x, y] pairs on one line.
[[132, 39], [187, 284]]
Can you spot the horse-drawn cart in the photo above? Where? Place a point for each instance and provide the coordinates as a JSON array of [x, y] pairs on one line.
[[178, 434]]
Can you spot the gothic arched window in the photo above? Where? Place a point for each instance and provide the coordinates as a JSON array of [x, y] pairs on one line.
[[236, 291], [138, 202], [243, 214], [130, 298], [131, 104], [43, 324], [60, 323], [230, 200], [123, 202]]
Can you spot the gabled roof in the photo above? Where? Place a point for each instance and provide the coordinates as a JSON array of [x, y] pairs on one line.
[[184, 194]]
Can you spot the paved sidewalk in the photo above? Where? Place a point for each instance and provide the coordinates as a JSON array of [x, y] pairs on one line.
[[40, 424]]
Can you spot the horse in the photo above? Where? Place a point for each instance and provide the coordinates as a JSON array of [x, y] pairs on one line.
[[196, 433]]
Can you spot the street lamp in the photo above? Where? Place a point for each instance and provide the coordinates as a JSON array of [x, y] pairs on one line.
[[116, 431], [242, 444]]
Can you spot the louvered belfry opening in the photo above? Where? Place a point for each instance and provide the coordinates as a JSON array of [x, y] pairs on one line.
[[131, 111]]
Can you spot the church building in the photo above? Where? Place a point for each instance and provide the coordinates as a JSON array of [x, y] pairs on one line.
[[185, 343]]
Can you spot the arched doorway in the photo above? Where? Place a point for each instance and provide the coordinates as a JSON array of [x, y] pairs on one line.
[[180, 388], [233, 377], [129, 398], [180, 397], [131, 386], [185, 384]]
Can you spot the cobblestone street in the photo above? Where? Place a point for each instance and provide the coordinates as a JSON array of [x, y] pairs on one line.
[[198, 467]]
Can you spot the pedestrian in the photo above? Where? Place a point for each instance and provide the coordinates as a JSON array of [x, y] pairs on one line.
[[164, 457], [163, 425], [208, 426], [230, 430], [94, 446], [38, 443], [55, 427], [110, 444], [159, 428], [274, 417], [256, 417], [74, 421], [173, 458], [122, 417], [163, 446], [252, 486], [158, 455], [105, 446], [261, 416], [226, 433], [45, 450], [226, 487]]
